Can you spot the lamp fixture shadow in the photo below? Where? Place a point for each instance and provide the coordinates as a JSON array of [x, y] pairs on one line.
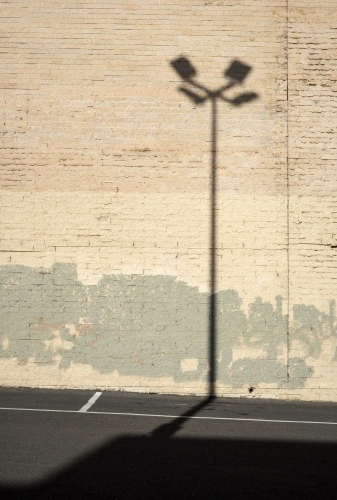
[[236, 73]]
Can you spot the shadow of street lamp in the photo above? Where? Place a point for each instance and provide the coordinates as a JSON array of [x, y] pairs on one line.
[[236, 73]]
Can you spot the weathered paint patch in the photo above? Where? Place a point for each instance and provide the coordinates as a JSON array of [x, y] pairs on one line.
[[189, 365], [152, 326]]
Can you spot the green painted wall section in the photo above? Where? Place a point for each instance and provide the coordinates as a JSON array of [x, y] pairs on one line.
[[146, 325]]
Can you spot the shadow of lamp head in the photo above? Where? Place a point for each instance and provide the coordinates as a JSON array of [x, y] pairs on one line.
[[197, 99], [237, 71], [184, 68], [243, 98]]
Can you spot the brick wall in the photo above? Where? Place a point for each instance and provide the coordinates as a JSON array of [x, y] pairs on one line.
[[312, 189], [106, 197]]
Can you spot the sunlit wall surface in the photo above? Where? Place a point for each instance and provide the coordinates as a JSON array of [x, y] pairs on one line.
[[106, 197]]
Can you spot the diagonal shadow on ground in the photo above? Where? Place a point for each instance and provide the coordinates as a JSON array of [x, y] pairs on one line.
[[166, 467]]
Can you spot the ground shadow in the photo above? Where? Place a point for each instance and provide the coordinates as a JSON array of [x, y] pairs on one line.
[[155, 467]]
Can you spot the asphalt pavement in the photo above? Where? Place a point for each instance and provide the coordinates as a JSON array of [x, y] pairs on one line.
[[60, 444]]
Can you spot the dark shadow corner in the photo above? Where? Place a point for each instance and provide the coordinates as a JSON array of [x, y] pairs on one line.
[[155, 467]]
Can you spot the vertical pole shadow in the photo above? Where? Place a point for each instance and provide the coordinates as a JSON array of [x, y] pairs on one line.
[[213, 308], [235, 74]]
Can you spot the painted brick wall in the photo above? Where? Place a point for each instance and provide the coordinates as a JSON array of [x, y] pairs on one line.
[[312, 190], [106, 197]]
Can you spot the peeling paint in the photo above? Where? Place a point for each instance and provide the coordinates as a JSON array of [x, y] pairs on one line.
[[189, 365], [153, 326]]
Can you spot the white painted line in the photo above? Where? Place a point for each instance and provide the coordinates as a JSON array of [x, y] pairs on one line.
[[230, 419], [90, 402]]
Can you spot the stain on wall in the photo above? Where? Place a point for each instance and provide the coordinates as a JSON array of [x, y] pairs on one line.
[[151, 326]]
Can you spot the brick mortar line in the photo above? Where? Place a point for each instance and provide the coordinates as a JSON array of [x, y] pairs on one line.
[[288, 197]]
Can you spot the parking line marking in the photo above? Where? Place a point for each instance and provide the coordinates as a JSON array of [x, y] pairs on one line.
[[230, 419], [90, 402]]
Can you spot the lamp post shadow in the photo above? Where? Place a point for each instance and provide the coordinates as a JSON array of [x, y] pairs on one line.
[[235, 74], [199, 94]]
